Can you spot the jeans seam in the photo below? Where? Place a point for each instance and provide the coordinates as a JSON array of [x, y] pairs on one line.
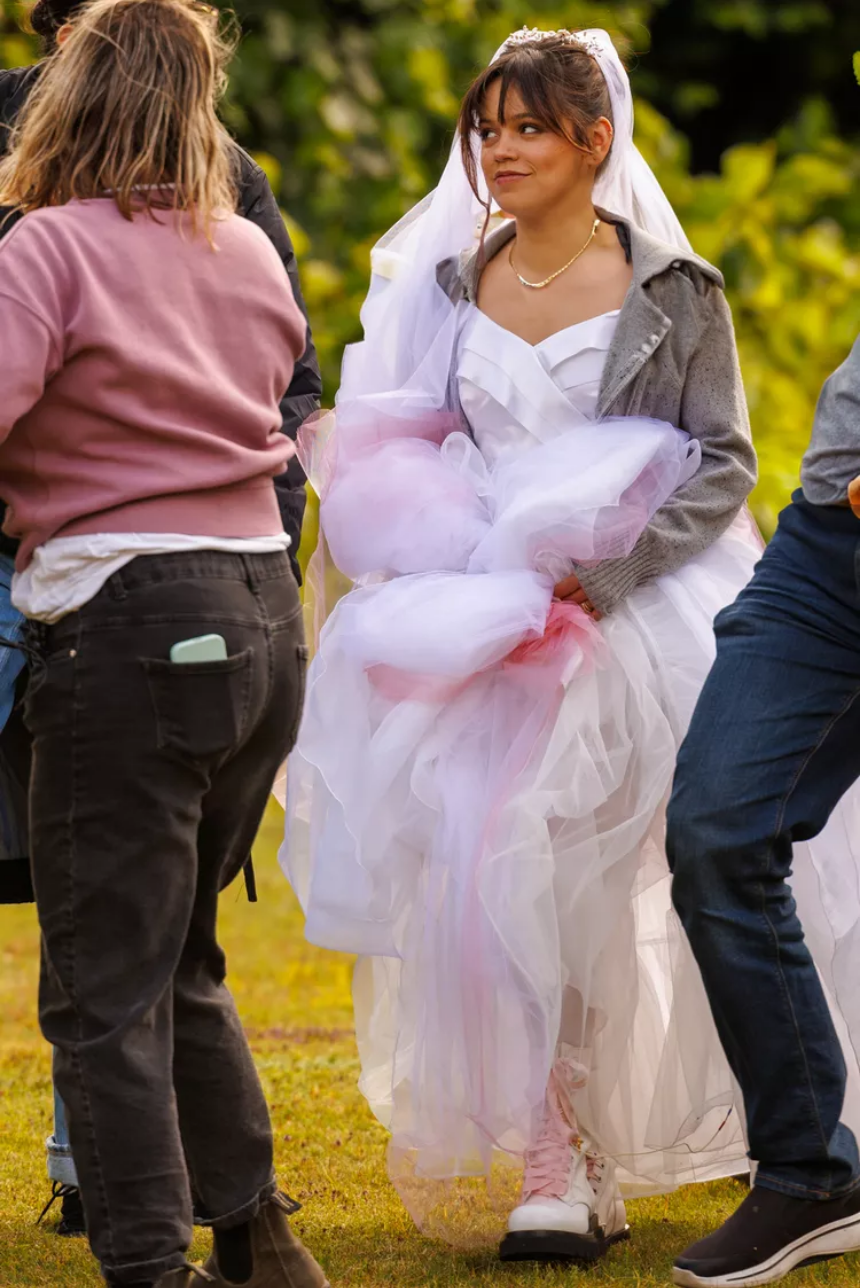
[[281, 624], [132, 579], [77, 708], [245, 1211], [264, 621], [147, 1270], [270, 655], [816, 1116], [96, 625], [778, 827], [764, 1177]]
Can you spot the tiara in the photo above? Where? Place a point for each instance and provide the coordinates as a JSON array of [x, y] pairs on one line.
[[534, 36]]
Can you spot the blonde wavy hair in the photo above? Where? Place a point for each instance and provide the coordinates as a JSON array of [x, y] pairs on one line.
[[126, 107]]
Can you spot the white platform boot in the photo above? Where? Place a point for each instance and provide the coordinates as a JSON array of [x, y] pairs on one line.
[[571, 1208]]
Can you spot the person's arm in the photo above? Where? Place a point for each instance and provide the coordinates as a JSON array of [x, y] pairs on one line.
[[302, 399], [714, 412], [31, 354], [32, 287]]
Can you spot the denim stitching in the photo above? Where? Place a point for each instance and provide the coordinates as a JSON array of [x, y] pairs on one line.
[[816, 1116], [246, 1211], [77, 709], [245, 711], [261, 621], [784, 1186], [96, 625], [268, 635], [167, 569], [780, 821]]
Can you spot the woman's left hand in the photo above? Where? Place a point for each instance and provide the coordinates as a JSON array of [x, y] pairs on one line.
[[854, 496], [570, 591]]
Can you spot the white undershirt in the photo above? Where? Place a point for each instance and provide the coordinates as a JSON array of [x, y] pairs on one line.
[[67, 572]]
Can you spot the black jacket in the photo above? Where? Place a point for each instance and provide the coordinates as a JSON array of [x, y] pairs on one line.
[[256, 202]]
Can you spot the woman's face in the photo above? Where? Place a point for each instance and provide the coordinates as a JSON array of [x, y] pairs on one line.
[[527, 167]]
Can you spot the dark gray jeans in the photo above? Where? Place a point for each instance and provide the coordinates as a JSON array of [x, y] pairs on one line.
[[149, 783]]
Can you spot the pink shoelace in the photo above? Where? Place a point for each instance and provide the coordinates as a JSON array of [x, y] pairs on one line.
[[547, 1161]]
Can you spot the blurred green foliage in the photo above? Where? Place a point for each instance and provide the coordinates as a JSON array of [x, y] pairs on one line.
[[350, 108], [776, 219], [354, 103]]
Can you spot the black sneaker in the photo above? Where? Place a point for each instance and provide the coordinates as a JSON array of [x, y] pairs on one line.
[[769, 1235], [71, 1224]]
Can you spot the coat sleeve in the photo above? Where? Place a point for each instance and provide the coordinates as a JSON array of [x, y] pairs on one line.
[[257, 203], [32, 352], [714, 412]]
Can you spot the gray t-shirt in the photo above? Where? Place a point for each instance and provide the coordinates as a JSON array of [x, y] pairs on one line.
[[833, 458]]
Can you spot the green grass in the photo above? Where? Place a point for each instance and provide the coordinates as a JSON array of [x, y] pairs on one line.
[[295, 1001]]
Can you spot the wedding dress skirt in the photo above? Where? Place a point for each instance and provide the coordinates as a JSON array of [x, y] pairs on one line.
[[476, 802]]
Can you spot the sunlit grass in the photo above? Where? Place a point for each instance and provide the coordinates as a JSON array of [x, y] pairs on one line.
[[331, 1154]]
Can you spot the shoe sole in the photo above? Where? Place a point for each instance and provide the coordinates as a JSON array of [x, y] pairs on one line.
[[834, 1240], [557, 1245]]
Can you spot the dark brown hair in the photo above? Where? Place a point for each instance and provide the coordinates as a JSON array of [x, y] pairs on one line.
[[48, 16], [560, 83]]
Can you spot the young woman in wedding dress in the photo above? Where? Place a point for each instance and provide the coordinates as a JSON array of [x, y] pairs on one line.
[[536, 476]]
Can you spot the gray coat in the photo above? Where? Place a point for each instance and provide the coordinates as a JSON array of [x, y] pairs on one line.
[[673, 358]]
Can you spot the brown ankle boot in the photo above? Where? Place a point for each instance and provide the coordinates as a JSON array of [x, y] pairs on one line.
[[280, 1260]]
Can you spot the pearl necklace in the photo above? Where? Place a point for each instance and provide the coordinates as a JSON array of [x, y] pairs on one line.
[[538, 286]]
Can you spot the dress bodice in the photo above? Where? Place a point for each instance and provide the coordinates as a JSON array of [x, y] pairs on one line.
[[515, 394]]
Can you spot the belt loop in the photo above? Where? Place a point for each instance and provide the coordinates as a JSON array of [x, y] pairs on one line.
[[116, 587], [250, 572], [35, 636], [34, 645]]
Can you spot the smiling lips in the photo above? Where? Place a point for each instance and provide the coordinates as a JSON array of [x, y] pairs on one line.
[[506, 176]]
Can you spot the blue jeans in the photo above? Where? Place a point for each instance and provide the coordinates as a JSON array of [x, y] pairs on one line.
[[11, 628], [773, 745], [61, 1166]]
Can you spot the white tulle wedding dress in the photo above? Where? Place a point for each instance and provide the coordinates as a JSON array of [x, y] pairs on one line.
[[475, 805]]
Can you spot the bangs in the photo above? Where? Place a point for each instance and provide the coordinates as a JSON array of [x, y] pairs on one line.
[[543, 86], [521, 76]]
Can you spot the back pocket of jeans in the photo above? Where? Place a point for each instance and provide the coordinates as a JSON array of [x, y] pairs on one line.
[[302, 655], [201, 708]]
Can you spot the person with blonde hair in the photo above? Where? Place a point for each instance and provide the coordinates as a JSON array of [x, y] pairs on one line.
[[149, 335], [256, 202]]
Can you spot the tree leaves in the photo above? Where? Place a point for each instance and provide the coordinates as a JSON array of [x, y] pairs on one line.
[[350, 107]]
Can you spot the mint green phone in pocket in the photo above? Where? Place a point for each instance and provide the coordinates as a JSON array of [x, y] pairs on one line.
[[203, 648]]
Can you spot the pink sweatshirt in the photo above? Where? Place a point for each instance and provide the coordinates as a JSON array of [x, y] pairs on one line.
[[140, 375]]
